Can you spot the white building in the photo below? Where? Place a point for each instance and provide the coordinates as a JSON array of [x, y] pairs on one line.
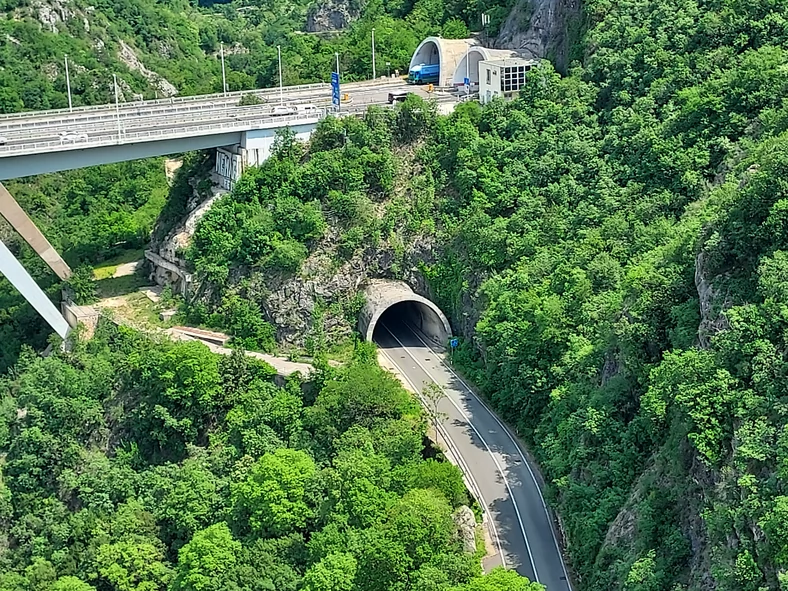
[[502, 77]]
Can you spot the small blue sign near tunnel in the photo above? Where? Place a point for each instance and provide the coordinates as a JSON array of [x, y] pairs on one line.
[[454, 343]]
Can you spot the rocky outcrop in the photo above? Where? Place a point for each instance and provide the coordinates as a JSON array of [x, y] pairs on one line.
[[127, 56], [332, 15], [712, 304], [541, 29], [324, 293], [465, 521]]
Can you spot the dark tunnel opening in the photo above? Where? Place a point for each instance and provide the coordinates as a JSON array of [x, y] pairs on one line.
[[410, 321]]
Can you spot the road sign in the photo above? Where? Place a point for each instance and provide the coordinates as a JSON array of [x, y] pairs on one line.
[[467, 82], [454, 343], [335, 88]]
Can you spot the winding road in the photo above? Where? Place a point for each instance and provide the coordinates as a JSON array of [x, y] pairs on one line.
[[493, 462]]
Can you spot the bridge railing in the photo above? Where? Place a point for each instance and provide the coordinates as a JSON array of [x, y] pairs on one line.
[[158, 134], [165, 101], [102, 121]]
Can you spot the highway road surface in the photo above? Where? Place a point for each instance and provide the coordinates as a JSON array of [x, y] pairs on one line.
[[494, 464], [40, 131]]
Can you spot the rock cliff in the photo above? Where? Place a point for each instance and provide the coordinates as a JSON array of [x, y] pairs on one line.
[[542, 28], [332, 15]]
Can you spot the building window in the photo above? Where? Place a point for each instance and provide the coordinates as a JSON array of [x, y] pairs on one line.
[[488, 76], [513, 78]]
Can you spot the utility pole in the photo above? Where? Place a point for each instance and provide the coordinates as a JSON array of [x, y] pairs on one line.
[[373, 54], [117, 105], [279, 54], [68, 85], [224, 76]]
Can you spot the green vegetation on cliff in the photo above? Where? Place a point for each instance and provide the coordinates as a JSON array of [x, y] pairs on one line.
[[614, 244], [130, 464], [161, 47]]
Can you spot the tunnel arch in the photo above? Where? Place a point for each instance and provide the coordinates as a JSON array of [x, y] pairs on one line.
[[445, 52], [384, 295], [469, 63]]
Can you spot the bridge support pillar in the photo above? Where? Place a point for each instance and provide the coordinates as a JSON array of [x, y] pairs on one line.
[[22, 223]]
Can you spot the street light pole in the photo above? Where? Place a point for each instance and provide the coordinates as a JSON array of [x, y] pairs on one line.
[[279, 54], [373, 54], [117, 105], [224, 75], [68, 85]]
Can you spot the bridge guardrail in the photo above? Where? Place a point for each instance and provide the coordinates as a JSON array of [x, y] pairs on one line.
[[164, 101], [169, 133], [109, 119]]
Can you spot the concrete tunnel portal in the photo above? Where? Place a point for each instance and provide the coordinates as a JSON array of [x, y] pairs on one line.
[[390, 303]]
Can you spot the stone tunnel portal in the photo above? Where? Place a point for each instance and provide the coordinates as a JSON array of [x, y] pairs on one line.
[[392, 304]]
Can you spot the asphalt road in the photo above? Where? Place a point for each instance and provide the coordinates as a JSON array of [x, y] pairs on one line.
[[28, 129], [492, 461], [40, 132]]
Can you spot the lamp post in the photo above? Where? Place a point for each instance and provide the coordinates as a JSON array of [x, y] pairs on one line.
[[117, 105], [68, 85], [224, 75], [279, 54], [373, 54]]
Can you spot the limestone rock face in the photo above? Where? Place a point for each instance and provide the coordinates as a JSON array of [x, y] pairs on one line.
[[541, 29], [332, 15], [465, 521]]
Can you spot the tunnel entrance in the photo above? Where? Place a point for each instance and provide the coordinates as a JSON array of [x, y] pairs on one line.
[[410, 316], [393, 304]]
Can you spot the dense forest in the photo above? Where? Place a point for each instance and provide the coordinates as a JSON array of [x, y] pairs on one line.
[[612, 249], [132, 464], [611, 246]]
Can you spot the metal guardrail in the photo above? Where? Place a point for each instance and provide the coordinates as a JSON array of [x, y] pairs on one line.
[[153, 135], [165, 101]]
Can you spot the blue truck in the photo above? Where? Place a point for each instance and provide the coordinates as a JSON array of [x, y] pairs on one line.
[[424, 74]]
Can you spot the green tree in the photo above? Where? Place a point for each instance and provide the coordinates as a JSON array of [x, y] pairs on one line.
[[133, 565], [335, 572], [273, 499], [206, 562]]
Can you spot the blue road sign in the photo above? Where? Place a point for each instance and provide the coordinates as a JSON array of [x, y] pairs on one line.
[[467, 82], [454, 343], [335, 88]]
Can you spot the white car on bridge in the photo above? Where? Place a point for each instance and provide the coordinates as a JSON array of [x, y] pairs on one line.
[[73, 136], [283, 110]]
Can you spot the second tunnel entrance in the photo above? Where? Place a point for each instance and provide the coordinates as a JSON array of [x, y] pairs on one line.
[[394, 305]]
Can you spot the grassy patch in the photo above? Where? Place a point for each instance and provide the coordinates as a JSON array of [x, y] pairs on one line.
[[108, 267], [118, 286]]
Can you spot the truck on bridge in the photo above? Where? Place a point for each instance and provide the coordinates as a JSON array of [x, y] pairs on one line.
[[424, 74]]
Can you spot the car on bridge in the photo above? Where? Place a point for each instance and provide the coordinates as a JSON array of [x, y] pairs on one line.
[[73, 136], [280, 110], [3, 140]]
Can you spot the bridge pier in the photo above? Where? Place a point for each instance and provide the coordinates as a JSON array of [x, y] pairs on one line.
[[254, 149]]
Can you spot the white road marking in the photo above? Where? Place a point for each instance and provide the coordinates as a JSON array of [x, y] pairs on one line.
[[519, 451], [460, 459], [489, 450]]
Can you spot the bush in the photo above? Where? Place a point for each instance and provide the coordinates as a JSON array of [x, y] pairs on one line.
[[82, 285]]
